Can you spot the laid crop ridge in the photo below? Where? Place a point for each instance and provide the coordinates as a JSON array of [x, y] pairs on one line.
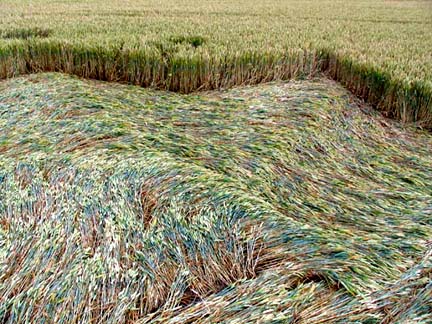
[[164, 65], [292, 201]]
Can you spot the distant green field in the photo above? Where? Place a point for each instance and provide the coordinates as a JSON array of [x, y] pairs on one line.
[[280, 203], [380, 50]]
